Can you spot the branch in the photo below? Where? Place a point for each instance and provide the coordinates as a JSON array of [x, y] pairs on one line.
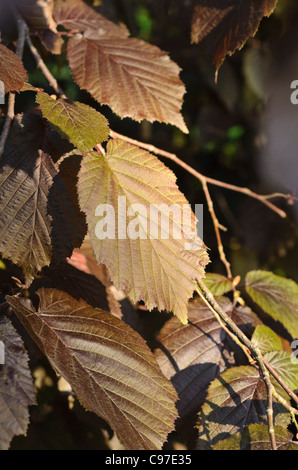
[[22, 29], [264, 199]]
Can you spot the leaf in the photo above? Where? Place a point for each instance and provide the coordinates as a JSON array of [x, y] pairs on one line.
[[193, 355], [109, 366], [218, 284], [256, 437], [38, 14], [284, 366], [77, 15], [134, 78], [38, 218], [16, 386], [12, 72], [237, 398], [80, 124], [143, 264], [223, 26], [266, 340], [277, 296]]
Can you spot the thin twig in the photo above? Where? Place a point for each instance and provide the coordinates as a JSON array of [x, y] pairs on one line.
[[264, 199], [216, 226], [22, 29], [44, 69]]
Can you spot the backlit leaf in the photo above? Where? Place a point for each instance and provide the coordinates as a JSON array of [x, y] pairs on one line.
[[145, 258], [109, 366], [80, 124], [277, 296], [256, 437], [12, 72], [223, 26], [218, 284], [16, 385], [266, 340], [134, 78], [237, 398], [38, 218]]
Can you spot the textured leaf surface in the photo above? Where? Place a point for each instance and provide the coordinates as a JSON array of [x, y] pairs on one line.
[[284, 366], [256, 437], [223, 26], [266, 340], [134, 78], [277, 296], [12, 72], [144, 265], [38, 218], [237, 398], [218, 284], [109, 366], [16, 386], [80, 124], [193, 355]]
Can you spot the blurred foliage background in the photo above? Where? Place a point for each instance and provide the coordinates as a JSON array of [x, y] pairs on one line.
[[243, 130]]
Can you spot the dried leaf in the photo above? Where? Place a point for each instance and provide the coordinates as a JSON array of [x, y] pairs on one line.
[[16, 386], [109, 366], [141, 261]]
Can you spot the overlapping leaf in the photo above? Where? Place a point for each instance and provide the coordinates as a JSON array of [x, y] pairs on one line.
[[80, 124], [109, 366], [38, 218], [141, 261], [12, 72], [193, 355], [16, 386], [223, 26], [134, 78], [284, 366], [256, 437], [237, 398], [277, 296]]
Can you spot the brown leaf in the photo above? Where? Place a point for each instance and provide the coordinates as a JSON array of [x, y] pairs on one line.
[[223, 26], [12, 72], [147, 266], [109, 366], [16, 385]]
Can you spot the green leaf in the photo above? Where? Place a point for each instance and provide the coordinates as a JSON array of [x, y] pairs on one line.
[[143, 263], [39, 220], [134, 78], [224, 26], [109, 366], [277, 296], [284, 366], [218, 284], [256, 437], [80, 124], [12, 72], [266, 340], [16, 385], [237, 398]]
